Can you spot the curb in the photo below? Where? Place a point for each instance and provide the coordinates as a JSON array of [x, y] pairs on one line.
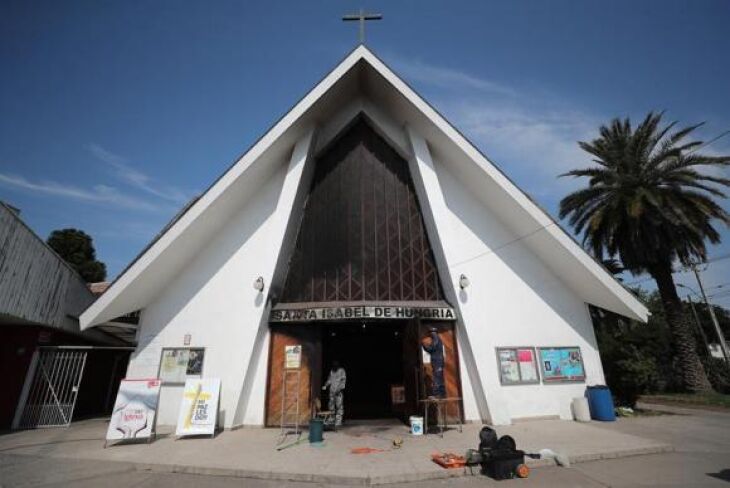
[[368, 480], [684, 409]]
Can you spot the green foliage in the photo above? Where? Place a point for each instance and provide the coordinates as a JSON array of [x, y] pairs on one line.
[[640, 359], [723, 318], [77, 249], [706, 399], [632, 375], [718, 371], [631, 353], [646, 202]]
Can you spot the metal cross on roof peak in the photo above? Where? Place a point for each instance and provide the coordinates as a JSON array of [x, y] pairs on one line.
[[362, 17]]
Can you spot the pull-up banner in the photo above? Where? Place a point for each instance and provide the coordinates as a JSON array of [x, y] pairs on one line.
[[361, 312]]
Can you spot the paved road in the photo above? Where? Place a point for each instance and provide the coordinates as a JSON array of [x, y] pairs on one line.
[[702, 440]]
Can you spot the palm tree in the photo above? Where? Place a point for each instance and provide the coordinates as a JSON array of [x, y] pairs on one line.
[[647, 204]]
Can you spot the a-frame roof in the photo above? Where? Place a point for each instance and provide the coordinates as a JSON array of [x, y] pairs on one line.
[[360, 72]]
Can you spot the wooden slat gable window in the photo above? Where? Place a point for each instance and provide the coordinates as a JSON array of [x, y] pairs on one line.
[[361, 237]]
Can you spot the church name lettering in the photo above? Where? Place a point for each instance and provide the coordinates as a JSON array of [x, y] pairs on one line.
[[362, 312]]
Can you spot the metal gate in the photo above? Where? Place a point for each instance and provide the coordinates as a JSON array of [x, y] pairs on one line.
[[50, 397]]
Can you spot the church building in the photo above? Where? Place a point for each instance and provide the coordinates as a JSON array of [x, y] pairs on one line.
[[358, 222]]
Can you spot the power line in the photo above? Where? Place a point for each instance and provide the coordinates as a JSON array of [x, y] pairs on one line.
[[499, 248], [684, 270], [718, 258], [705, 144]]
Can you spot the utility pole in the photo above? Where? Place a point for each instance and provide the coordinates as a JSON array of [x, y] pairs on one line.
[[699, 324], [720, 336]]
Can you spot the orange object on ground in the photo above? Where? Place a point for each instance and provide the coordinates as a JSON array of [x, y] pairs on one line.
[[448, 460], [364, 450], [522, 471]]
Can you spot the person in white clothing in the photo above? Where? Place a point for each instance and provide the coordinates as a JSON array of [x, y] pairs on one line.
[[336, 383]]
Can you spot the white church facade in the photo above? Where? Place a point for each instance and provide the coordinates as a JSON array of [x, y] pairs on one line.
[[363, 218]]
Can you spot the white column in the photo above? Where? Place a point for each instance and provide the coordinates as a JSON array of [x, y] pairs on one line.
[[435, 216], [250, 407]]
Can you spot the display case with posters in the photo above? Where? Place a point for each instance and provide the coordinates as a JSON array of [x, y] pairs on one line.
[[180, 363], [517, 365], [561, 364]]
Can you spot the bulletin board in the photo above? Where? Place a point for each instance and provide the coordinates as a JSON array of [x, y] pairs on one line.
[[517, 365], [561, 364], [180, 363]]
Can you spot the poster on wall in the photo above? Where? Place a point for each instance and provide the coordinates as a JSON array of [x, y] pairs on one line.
[[397, 394], [293, 356], [179, 364], [528, 364], [508, 367], [134, 411], [561, 364], [199, 407]]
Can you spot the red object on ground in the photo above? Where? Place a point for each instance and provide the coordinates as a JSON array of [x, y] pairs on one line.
[[448, 460], [365, 450], [522, 471]]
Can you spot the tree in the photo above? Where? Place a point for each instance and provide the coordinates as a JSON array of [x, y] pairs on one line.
[[647, 204], [77, 248]]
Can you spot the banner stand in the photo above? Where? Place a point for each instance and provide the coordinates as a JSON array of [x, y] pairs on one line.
[[215, 427], [198, 414], [134, 417]]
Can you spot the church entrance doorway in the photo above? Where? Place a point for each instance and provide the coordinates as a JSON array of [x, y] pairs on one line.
[[372, 355], [388, 374]]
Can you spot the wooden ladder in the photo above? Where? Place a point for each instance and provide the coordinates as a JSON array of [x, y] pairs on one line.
[[286, 396]]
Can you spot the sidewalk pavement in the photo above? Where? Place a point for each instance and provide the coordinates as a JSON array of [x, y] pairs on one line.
[[251, 453]]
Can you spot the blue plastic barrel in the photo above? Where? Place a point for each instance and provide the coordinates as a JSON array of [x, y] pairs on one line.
[[316, 427], [600, 403]]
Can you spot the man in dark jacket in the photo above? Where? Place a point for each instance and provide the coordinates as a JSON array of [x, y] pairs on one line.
[[435, 348]]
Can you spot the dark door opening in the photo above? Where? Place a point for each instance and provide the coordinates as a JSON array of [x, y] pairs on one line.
[[372, 355]]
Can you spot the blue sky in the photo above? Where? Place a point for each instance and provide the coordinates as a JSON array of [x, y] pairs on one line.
[[113, 114]]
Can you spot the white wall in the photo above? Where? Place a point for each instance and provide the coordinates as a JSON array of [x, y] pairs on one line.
[[513, 300], [214, 301]]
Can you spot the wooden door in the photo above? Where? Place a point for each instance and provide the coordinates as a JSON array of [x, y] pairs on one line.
[[308, 336], [452, 380]]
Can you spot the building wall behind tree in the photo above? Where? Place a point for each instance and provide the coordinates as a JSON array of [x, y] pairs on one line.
[[36, 286]]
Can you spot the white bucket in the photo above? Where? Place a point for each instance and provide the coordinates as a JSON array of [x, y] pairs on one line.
[[416, 425], [581, 412]]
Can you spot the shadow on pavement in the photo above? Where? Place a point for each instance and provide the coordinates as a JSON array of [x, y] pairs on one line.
[[723, 475]]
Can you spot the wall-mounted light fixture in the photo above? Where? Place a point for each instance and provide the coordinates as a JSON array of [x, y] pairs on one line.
[[463, 281], [258, 285]]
